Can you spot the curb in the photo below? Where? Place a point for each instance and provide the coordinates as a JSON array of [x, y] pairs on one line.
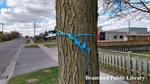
[[10, 68]]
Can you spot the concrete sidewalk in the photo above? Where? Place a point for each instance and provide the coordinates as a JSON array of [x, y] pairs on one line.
[[52, 52], [32, 59], [111, 81]]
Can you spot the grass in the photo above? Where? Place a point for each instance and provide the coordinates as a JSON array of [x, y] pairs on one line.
[[44, 42], [50, 45], [146, 82], [50, 76], [44, 76], [145, 52], [31, 46]]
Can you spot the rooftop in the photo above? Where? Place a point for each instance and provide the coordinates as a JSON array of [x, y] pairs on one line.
[[131, 29]]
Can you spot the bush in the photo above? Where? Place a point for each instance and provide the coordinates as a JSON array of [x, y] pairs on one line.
[[9, 36]]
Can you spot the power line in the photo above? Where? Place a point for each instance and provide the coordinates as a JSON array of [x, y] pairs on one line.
[[34, 26]]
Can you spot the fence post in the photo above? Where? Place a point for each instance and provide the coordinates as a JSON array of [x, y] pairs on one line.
[[109, 58], [120, 63], [146, 69], [124, 63], [99, 55], [134, 64], [113, 61], [140, 66], [128, 63]]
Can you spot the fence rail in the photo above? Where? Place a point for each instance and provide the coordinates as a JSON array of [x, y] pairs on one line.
[[131, 63], [127, 48]]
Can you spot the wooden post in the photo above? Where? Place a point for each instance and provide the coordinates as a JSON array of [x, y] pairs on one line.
[[146, 69], [140, 67], [129, 63]]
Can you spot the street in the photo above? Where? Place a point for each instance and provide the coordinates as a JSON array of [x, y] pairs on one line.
[[7, 51]]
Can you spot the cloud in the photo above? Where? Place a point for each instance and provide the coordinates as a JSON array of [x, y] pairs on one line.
[[140, 20], [21, 14], [24, 12]]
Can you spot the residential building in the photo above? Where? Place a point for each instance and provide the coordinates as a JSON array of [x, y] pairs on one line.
[[122, 33]]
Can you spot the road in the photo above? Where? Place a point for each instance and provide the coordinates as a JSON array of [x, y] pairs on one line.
[[7, 51]]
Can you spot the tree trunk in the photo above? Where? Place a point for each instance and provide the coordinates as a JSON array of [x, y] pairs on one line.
[[77, 17]]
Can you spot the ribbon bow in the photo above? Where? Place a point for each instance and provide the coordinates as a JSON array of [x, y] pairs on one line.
[[82, 45]]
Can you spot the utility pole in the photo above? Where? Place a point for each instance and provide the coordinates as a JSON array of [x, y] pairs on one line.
[[129, 24], [2, 26], [34, 25]]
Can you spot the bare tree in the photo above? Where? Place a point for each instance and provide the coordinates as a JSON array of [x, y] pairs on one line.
[[140, 5], [116, 10], [117, 7], [124, 7]]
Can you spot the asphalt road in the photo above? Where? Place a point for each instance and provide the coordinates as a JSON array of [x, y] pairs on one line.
[[32, 59], [7, 51]]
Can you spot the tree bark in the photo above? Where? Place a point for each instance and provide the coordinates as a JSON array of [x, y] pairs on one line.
[[77, 17]]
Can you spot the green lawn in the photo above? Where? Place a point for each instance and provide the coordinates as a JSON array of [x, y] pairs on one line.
[[44, 76], [144, 52], [50, 76], [31, 46], [43, 42], [50, 45]]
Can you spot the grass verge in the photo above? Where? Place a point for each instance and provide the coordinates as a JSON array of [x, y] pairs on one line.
[[50, 76], [44, 76], [44, 42], [31, 46], [145, 52], [50, 45]]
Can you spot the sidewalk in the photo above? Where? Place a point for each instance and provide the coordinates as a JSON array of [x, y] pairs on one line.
[[32, 59], [111, 81], [52, 52]]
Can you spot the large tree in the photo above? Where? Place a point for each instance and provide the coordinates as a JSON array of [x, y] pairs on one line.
[[77, 17]]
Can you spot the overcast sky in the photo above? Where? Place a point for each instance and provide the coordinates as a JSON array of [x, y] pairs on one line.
[[19, 15]]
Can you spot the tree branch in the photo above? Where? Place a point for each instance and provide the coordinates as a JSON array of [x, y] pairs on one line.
[[127, 2]]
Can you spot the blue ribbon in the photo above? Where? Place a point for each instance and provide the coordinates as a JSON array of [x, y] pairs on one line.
[[82, 45]]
